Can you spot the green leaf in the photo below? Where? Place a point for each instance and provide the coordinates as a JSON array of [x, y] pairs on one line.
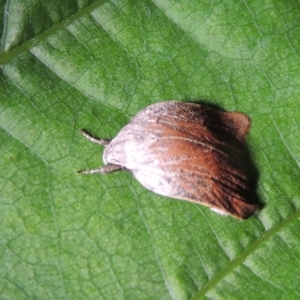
[[68, 65]]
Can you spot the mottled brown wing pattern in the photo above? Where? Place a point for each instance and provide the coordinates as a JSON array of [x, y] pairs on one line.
[[185, 151], [196, 177], [181, 153]]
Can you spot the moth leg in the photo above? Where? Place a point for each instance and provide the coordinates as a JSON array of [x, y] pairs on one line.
[[102, 170], [94, 140]]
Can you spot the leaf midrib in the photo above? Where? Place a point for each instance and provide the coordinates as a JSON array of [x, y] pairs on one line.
[[241, 258], [7, 55]]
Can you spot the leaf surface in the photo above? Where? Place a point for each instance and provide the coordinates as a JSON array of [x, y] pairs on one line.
[[94, 64]]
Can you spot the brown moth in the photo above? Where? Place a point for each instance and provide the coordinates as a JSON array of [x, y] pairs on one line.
[[185, 151]]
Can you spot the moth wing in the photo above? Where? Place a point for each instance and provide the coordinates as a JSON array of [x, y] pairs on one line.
[[187, 151], [205, 176], [236, 123]]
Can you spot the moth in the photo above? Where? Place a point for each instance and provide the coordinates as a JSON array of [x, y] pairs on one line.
[[185, 151]]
